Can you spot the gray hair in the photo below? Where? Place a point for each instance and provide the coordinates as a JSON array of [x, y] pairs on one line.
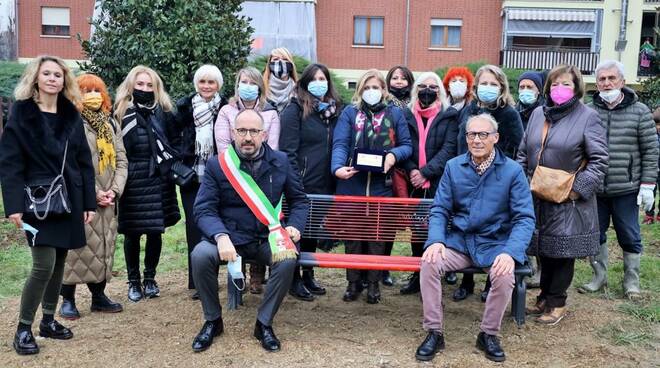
[[442, 94], [209, 71], [487, 117], [609, 64]]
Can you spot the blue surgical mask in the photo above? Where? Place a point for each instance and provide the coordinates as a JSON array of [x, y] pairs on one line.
[[234, 269], [248, 92], [318, 88], [527, 96], [488, 94], [27, 227]]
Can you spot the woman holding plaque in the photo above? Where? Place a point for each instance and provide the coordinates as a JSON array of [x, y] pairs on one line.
[[376, 132]]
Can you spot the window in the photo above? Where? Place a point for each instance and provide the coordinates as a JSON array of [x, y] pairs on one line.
[[368, 31], [55, 21], [446, 32]]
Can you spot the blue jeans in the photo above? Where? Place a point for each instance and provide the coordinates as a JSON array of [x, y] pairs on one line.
[[624, 212]]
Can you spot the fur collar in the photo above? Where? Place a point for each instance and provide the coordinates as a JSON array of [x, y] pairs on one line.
[[32, 120]]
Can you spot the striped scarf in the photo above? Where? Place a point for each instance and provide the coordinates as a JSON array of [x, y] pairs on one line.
[[99, 121], [203, 112]]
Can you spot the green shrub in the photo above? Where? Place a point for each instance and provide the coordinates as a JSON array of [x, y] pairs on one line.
[[10, 73], [649, 94]]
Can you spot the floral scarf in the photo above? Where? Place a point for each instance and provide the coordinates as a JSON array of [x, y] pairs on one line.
[[378, 126]]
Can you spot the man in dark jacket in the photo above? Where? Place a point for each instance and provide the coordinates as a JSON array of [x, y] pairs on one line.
[[631, 174], [489, 230], [230, 227]]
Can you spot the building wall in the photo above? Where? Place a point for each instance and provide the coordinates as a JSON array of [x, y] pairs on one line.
[[481, 30], [30, 41]]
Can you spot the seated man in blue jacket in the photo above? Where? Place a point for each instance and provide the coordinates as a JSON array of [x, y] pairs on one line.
[[237, 210], [489, 199]]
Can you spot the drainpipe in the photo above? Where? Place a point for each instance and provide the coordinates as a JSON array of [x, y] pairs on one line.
[[405, 40], [622, 27]]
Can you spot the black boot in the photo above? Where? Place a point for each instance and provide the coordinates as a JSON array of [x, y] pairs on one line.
[[266, 336], [24, 343], [135, 291], [387, 279], [490, 345], [466, 288], [484, 294], [353, 291], [101, 303], [209, 330], [298, 289], [151, 289], [451, 278], [68, 309], [373, 293], [432, 344], [310, 282], [412, 287]]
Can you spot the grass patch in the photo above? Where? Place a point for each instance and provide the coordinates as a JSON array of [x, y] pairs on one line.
[[626, 332]]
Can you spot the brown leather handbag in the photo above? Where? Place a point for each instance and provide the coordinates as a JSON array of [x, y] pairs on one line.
[[551, 185]]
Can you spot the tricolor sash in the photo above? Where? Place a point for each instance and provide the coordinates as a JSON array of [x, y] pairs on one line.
[[281, 246]]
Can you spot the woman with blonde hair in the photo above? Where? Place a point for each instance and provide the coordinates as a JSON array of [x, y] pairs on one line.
[[149, 203], [249, 93], [280, 77], [492, 96], [92, 264], [370, 125], [47, 182], [433, 129]]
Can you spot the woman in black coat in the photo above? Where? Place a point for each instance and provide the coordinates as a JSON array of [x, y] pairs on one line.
[[307, 125], [43, 137], [492, 97], [433, 130], [195, 118], [149, 203]]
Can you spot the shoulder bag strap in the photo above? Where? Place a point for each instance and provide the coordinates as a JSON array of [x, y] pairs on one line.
[[66, 148], [544, 137]]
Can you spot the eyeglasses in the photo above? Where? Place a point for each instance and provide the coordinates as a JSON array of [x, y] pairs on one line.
[[482, 135], [432, 87], [243, 132]]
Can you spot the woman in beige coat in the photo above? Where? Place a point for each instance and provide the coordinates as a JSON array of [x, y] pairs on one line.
[[92, 264]]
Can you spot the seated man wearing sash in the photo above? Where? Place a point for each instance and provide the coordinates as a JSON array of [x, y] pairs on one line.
[[487, 198], [238, 210]]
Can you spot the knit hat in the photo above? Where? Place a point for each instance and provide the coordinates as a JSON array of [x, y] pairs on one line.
[[535, 77]]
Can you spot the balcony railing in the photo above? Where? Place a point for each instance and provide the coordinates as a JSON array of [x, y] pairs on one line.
[[543, 59], [652, 2]]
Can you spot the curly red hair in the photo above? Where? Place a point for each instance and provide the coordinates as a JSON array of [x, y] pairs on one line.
[[90, 82], [462, 72]]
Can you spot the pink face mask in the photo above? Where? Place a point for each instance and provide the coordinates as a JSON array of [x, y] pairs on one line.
[[560, 94]]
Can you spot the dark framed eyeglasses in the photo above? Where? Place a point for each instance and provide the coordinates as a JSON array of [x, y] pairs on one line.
[[432, 87], [482, 135], [243, 132]]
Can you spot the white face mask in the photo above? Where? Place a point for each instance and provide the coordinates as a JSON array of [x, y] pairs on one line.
[[610, 96], [372, 96], [457, 89]]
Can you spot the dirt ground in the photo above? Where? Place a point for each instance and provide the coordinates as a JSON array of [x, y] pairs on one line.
[[324, 333]]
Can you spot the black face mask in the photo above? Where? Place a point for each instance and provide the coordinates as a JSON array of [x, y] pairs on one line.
[[143, 97], [427, 96], [280, 68], [400, 93]]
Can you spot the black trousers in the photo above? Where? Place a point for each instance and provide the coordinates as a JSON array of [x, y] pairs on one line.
[[69, 291], [151, 255], [363, 247], [193, 235], [556, 278]]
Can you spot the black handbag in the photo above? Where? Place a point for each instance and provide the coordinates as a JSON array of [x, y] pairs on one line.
[[48, 198], [181, 174]]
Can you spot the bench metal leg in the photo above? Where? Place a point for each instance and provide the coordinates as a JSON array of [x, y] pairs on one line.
[[234, 296], [518, 300]]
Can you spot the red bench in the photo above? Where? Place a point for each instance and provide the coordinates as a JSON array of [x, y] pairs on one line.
[[383, 219]]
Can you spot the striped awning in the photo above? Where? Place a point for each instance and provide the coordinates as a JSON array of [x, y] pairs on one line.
[[560, 15]]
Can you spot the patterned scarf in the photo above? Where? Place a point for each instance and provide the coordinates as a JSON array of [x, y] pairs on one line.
[[203, 112], [99, 121], [482, 167], [279, 91]]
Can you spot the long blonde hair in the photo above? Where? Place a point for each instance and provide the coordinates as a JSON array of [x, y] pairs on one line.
[[505, 97], [285, 54], [27, 86], [124, 98], [254, 76], [371, 73]]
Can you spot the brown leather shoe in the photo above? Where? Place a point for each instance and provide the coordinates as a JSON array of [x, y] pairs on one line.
[[537, 310], [257, 274], [552, 316]]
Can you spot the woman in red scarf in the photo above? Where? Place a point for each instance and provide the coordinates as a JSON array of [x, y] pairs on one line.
[[433, 130]]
